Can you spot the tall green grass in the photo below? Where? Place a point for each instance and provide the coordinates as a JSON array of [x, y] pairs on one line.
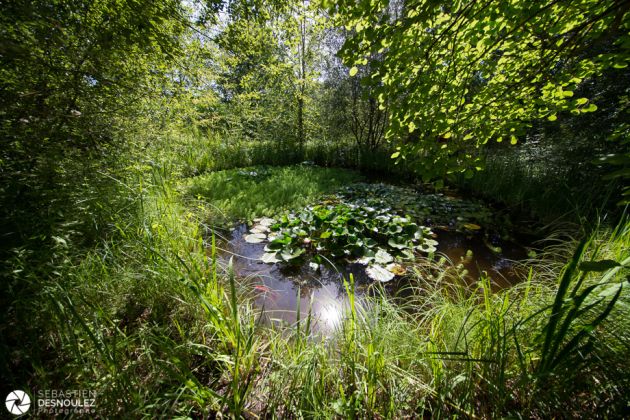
[[543, 184], [194, 153], [241, 194], [142, 317], [525, 351]]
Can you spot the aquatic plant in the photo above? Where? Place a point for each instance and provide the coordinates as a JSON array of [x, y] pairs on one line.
[[440, 210], [374, 236]]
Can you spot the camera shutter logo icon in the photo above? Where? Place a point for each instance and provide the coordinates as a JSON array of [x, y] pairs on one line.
[[18, 402]]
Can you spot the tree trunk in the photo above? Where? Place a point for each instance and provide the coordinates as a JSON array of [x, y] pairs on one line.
[[302, 82]]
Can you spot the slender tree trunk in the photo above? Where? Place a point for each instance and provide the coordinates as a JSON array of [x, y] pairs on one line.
[[302, 85], [300, 118]]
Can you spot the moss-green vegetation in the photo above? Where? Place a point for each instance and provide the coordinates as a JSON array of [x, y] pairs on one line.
[[245, 193]]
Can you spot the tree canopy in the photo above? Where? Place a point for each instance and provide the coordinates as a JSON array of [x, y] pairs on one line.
[[460, 74]]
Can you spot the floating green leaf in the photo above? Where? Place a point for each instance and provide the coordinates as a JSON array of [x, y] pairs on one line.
[[266, 221], [289, 254], [270, 258], [378, 273], [383, 257], [255, 238]]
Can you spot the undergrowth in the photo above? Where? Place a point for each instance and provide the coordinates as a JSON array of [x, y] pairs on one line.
[[245, 193], [534, 182], [447, 351], [144, 314]]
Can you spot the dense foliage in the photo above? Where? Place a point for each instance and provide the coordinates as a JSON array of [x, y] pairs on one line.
[[135, 135], [456, 75]]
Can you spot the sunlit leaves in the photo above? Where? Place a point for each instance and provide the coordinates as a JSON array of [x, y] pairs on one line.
[[477, 71], [86, 66], [378, 273], [354, 227], [255, 238]]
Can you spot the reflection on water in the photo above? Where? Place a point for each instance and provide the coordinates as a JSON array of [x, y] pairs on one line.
[[323, 294], [499, 266]]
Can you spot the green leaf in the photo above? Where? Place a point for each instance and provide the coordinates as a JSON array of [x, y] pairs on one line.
[[353, 71], [471, 226], [591, 108], [255, 238], [325, 234], [288, 254], [395, 155], [427, 247], [552, 117], [266, 221], [270, 258], [60, 241], [397, 243], [259, 229], [378, 273], [383, 257]]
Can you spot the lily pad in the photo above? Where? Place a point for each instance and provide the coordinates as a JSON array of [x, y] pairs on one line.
[[471, 226], [259, 229], [426, 247], [383, 257], [288, 255], [364, 260], [398, 243], [270, 258], [433, 209], [266, 221], [378, 273], [255, 238], [374, 234]]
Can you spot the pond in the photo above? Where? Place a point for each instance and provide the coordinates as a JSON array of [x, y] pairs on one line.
[[372, 232]]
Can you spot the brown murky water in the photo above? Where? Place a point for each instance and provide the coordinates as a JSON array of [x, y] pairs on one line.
[[278, 288]]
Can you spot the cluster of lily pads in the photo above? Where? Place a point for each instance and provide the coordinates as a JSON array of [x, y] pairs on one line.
[[377, 225], [374, 236], [432, 209]]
